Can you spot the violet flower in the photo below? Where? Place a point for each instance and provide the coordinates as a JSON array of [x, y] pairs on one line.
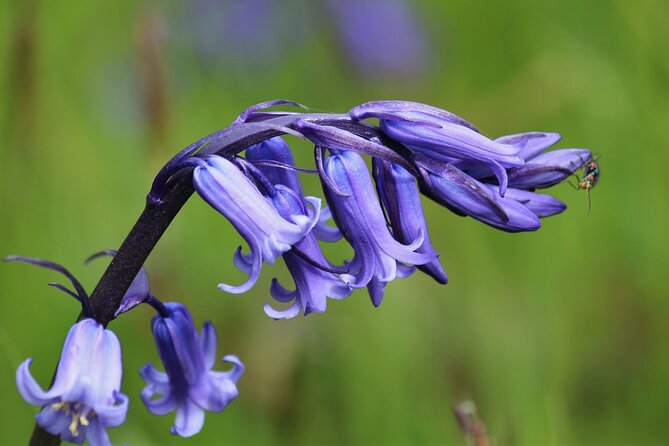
[[401, 200], [277, 150], [229, 191], [467, 196], [84, 399], [440, 135], [315, 278], [548, 168], [358, 214], [188, 386]]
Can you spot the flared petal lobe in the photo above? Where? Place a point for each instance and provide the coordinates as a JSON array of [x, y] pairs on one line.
[[189, 386], [314, 277], [84, 399]]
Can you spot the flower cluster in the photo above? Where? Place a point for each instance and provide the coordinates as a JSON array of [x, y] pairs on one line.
[[414, 148], [85, 399]]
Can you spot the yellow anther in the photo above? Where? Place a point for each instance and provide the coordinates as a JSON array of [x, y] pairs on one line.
[[58, 406], [74, 425]]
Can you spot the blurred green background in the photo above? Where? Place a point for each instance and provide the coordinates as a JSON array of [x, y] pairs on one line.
[[559, 336]]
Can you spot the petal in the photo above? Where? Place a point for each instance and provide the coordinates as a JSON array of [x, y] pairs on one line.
[[237, 368], [114, 414], [231, 193], [153, 376], [208, 341], [450, 139], [376, 289], [360, 213], [243, 262], [323, 231], [548, 169], [531, 143], [278, 292], [55, 422], [275, 149], [288, 313], [160, 406], [256, 262], [541, 205], [456, 190], [30, 390], [96, 434], [404, 271], [401, 200], [190, 419]]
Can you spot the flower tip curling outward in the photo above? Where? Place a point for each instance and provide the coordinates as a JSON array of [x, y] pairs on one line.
[[188, 385], [548, 168], [84, 399], [467, 196], [441, 135]]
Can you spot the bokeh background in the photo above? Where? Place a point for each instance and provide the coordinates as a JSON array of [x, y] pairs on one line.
[[559, 336]]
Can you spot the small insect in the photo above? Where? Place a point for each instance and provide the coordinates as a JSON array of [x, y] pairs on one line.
[[590, 177]]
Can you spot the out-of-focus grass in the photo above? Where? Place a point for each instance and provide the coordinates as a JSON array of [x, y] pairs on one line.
[[558, 335]]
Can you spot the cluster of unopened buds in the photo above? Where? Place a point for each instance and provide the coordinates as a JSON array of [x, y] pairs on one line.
[[414, 149]]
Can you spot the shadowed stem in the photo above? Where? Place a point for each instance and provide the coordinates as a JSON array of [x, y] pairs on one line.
[[158, 214]]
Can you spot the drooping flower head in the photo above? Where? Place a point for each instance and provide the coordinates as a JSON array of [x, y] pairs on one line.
[[415, 148], [358, 214], [84, 399], [268, 234], [188, 385], [315, 278]]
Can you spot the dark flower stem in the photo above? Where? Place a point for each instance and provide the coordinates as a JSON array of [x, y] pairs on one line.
[[125, 265], [160, 211]]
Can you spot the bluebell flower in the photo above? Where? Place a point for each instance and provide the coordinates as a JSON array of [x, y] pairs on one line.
[[440, 135], [358, 214], [188, 386], [548, 168], [530, 144], [465, 195], [401, 200], [229, 191], [276, 149], [84, 399], [540, 205], [315, 278]]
